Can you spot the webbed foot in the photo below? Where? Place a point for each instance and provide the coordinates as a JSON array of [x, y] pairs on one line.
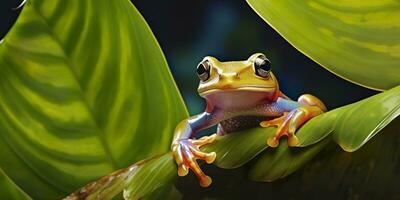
[[289, 122], [186, 154]]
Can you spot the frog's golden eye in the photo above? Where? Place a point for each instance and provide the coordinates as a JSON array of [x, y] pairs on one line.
[[203, 70], [262, 66]]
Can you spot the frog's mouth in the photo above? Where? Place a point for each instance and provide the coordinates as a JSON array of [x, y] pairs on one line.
[[243, 88]]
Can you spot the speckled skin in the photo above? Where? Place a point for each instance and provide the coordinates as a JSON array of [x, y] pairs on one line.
[[238, 120], [238, 98]]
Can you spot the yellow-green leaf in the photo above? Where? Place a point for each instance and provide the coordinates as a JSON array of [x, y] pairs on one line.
[[278, 163], [234, 150], [84, 90], [353, 125], [138, 181], [350, 126], [357, 40]]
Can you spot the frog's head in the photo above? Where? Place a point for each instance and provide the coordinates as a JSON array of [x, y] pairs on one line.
[[240, 80]]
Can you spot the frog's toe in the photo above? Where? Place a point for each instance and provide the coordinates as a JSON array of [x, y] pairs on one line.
[[205, 181], [273, 141], [186, 154], [204, 140], [183, 170], [276, 122], [208, 157], [293, 141]]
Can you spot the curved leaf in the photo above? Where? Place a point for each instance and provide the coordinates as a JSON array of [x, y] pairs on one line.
[[278, 163], [80, 83], [137, 181], [236, 149], [353, 125], [368, 117], [357, 40]]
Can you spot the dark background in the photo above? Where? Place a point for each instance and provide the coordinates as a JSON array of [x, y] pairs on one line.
[[229, 30]]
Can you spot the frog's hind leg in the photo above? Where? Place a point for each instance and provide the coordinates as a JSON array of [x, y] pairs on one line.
[[309, 107]]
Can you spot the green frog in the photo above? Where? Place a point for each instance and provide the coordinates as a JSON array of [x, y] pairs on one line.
[[239, 95]]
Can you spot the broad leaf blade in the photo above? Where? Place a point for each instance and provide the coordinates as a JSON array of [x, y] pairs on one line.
[[152, 176], [353, 125], [81, 83], [278, 163], [357, 40], [236, 149], [363, 120]]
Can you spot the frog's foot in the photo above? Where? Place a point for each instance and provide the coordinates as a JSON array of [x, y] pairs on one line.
[[288, 124], [186, 154], [278, 122]]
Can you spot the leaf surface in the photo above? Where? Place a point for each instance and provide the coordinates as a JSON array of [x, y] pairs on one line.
[[84, 90], [357, 40]]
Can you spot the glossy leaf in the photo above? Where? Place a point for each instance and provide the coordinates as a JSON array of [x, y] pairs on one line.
[[153, 176], [368, 116], [357, 40], [353, 125], [8, 189], [368, 173], [236, 149], [280, 162], [84, 90]]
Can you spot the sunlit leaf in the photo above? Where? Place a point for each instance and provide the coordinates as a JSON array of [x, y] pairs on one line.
[[84, 90], [234, 150], [353, 125], [356, 40], [368, 116], [142, 180]]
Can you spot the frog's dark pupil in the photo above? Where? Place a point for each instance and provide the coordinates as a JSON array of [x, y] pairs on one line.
[[265, 65], [201, 69], [262, 67]]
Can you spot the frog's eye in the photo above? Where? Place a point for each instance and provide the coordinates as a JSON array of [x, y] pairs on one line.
[[262, 66], [203, 70]]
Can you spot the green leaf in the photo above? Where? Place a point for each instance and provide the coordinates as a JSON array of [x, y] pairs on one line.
[[350, 126], [236, 149], [280, 162], [368, 173], [357, 40], [353, 125], [8, 189], [145, 179], [84, 90]]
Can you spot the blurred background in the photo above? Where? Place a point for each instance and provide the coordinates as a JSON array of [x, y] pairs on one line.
[[229, 30]]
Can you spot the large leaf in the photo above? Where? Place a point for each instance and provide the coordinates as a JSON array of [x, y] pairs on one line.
[[8, 189], [371, 172], [368, 116], [236, 149], [353, 125], [84, 90], [357, 40], [138, 181]]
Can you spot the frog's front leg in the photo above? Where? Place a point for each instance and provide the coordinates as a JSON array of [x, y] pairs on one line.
[[186, 151], [295, 114]]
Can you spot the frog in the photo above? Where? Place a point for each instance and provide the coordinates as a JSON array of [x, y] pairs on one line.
[[239, 95]]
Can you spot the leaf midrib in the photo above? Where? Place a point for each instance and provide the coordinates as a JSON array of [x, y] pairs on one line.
[[82, 94]]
